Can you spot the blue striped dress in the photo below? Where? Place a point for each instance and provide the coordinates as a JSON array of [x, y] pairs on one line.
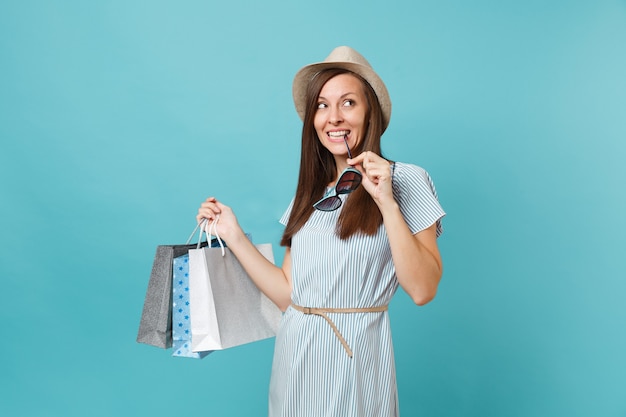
[[312, 375]]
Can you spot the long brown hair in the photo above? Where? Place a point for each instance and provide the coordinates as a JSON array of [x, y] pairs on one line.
[[318, 168]]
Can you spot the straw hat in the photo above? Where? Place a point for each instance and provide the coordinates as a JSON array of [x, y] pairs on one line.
[[346, 58]]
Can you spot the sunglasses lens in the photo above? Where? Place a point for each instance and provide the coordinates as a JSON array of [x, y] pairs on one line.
[[328, 203], [348, 182]]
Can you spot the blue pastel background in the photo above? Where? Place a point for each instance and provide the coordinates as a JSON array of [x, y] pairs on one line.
[[118, 117]]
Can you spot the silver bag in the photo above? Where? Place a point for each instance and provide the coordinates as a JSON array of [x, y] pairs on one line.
[[155, 327]]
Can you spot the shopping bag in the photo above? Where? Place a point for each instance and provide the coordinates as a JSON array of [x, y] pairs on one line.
[[155, 327], [227, 308], [181, 316]]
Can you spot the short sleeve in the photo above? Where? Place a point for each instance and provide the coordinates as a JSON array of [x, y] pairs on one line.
[[285, 217], [415, 193]]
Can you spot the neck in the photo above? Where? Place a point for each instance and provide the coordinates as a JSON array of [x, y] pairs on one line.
[[340, 162]]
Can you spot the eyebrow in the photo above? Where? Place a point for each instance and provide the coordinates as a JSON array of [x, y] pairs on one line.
[[342, 96]]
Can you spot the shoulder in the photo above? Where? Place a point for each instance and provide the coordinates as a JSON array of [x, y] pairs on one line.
[[411, 180], [284, 219], [415, 192], [408, 174]]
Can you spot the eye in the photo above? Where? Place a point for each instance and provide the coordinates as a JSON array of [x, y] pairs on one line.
[[321, 105], [348, 103]]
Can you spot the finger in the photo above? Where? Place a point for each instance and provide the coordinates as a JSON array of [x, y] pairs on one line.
[[377, 172], [204, 215], [357, 159], [212, 205], [368, 164], [221, 207], [367, 158], [209, 209]]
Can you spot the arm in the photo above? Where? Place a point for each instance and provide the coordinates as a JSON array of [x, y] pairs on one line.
[[416, 257], [273, 281]]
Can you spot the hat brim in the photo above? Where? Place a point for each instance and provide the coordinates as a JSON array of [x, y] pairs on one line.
[[306, 74]]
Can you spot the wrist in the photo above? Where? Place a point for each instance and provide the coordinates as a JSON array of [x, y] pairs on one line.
[[235, 236], [389, 208]]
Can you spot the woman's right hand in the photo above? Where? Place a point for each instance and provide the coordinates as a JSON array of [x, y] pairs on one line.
[[227, 224]]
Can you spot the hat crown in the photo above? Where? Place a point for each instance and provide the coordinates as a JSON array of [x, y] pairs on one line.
[[347, 54]]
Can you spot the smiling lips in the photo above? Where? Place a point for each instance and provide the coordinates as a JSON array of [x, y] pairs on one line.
[[338, 134]]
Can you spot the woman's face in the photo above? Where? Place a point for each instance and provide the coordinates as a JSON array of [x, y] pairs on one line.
[[341, 110]]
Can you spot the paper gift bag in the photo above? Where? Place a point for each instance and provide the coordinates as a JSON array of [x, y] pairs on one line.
[[181, 316], [227, 308], [155, 327]]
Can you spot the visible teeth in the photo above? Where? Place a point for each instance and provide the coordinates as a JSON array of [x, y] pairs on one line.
[[338, 134]]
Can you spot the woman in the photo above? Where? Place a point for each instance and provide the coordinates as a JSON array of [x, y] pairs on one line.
[[374, 226]]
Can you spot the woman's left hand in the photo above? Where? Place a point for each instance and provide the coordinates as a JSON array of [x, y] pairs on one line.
[[376, 176]]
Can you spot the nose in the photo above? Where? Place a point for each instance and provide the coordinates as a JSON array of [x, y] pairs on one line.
[[335, 116]]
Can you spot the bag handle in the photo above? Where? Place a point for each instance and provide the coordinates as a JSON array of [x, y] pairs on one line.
[[213, 226], [206, 228]]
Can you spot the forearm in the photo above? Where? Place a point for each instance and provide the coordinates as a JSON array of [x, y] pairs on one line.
[[416, 258], [269, 278]]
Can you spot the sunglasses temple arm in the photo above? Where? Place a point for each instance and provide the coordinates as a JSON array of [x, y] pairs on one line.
[[345, 140]]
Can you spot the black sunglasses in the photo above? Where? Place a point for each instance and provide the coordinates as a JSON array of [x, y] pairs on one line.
[[348, 181]]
